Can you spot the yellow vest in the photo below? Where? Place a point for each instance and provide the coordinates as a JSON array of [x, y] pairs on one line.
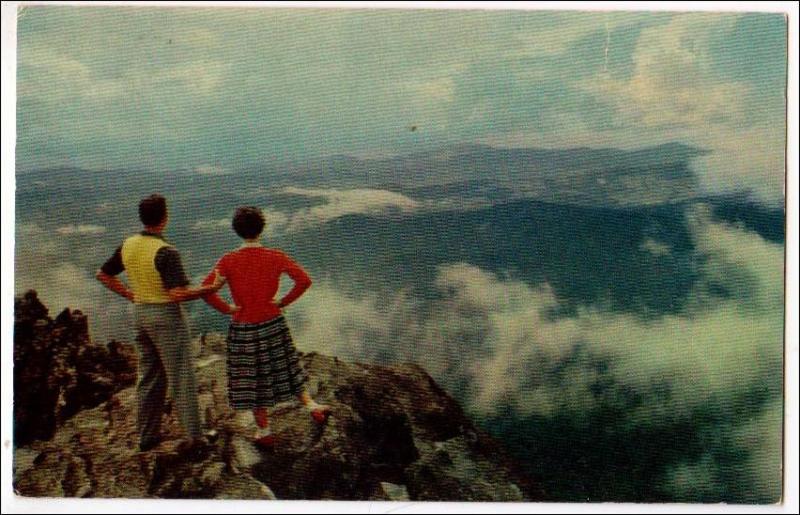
[[139, 258]]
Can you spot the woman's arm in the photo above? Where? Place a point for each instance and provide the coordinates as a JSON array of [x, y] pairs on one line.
[[302, 282]]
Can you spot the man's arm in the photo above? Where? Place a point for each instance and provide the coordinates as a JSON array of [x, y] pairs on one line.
[[168, 263], [186, 293], [108, 275], [114, 284]]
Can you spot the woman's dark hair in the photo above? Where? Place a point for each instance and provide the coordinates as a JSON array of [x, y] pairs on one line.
[[248, 222], [153, 210]]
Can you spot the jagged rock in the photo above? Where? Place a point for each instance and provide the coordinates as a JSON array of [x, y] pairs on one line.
[[58, 371], [447, 470], [392, 492], [393, 434], [243, 487], [212, 344]]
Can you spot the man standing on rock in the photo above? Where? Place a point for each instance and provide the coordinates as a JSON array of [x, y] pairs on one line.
[[158, 285]]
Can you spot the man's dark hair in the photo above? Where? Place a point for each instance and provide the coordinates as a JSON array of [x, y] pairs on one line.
[[248, 222], [153, 210]]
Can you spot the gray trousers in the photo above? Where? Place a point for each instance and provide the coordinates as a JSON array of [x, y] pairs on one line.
[[165, 366]]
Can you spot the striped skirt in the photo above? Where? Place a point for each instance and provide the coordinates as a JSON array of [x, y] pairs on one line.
[[263, 365]]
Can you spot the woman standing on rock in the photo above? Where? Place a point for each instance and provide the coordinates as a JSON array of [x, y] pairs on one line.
[[263, 365]]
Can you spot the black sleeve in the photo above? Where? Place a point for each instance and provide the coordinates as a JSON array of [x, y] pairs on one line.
[[114, 264], [168, 264]]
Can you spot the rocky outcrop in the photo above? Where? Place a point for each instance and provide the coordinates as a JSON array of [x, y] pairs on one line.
[[58, 371], [393, 434]]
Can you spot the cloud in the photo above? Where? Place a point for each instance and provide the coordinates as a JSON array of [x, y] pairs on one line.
[[77, 76], [339, 203], [50, 65], [275, 222], [685, 78], [203, 76], [29, 229], [42, 264], [746, 158], [712, 354], [222, 223], [440, 89], [83, 229], [755, 480], [655, 247], [512, 318], [336, 203], [233, 86], [493, 343], [676, 93], [673, 84], [211, 170], [555, 39]]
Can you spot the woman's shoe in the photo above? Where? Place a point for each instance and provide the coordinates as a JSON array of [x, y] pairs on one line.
[[265, 442], [264, 439], [320, 413]]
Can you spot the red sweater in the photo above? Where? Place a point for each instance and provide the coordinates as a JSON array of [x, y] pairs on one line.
[[253, 275]]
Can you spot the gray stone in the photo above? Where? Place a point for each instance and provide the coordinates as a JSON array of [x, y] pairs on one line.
[[392, 434], [394, 492]]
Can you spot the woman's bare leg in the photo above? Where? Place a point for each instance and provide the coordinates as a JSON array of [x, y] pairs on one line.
[[264, 436], [262, 417]]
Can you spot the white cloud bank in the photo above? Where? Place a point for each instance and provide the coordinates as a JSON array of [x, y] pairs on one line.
[[674, 94], [339, 203], [336, 204], [491, 343], [211, 170], [87, 229], [42, 263]]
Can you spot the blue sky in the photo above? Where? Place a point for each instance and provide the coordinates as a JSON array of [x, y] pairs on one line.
[[164, 88]]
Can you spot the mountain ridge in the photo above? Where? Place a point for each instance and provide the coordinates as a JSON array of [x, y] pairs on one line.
[[393, 434]]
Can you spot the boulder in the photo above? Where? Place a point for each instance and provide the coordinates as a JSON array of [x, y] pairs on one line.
[[58, 370]]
